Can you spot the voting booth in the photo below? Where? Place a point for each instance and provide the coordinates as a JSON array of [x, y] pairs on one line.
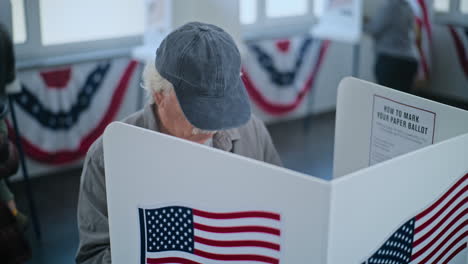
[[173, 201]]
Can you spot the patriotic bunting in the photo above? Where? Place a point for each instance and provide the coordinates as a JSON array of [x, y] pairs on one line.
[[61, 112], [278, 74]]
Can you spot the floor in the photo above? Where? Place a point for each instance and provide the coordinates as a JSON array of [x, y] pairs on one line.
[[304, 145], [56, 199]]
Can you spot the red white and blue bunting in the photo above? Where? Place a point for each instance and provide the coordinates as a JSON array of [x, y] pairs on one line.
[[61, 112], [278, 74], [460, 39]]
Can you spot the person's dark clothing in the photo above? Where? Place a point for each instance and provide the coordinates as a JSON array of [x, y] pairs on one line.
[[394, 72]]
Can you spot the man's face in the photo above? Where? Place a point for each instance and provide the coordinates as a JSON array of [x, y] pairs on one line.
[[173, 120]]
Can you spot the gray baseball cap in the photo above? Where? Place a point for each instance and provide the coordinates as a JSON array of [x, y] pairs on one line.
[[203, 64]]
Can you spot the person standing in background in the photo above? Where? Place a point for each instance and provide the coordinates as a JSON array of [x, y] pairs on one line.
[[394, 31]]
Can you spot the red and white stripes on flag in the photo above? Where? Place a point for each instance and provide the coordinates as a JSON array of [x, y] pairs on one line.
[[424, 22], [177, 234], [441, 231], [439, 234], [460, 39]]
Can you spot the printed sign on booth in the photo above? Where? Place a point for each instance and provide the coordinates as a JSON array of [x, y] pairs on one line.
[[398, 129]]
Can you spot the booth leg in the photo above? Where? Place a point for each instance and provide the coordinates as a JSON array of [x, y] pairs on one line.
[[29, 193], [356, 59]]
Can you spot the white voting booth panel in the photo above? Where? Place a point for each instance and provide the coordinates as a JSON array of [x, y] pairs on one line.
[[153, 170], [354, 219], [416, 203], [375, 123]]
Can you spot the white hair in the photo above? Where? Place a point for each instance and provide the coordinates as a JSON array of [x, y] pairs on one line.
[[153, 82]]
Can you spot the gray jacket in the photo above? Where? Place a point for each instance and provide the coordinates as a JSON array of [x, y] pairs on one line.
[[393, 29], [251, 140]]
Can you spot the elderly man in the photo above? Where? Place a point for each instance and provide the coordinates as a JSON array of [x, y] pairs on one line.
[[199, 96]]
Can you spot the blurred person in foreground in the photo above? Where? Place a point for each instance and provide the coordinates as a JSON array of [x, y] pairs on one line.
[[395, 35], [13, 246], [198, 95]]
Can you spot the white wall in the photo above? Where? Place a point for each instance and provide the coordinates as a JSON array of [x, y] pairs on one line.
[[448, 79], [337, 65]]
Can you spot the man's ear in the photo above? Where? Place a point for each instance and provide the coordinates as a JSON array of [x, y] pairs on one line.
[[158, 98]]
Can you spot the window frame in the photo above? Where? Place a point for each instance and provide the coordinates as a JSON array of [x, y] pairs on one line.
[[453, 17], [267, 27], [32, 53]]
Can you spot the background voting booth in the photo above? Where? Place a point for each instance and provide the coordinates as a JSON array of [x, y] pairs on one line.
[[374, 123], [341, 21], [167, 204]]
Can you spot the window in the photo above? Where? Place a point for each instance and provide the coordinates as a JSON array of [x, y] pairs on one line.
[[281, 8], [278, 17], [49, 32], [319, 7], [464, 6], [69, 21], [442, 5], [19, 21], [248, 11], [451, 12]]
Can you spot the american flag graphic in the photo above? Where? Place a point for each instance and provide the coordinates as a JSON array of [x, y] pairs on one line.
[[177, 234], [436, 235]]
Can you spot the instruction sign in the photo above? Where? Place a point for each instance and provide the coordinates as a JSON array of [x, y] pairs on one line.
[[398, 129]]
